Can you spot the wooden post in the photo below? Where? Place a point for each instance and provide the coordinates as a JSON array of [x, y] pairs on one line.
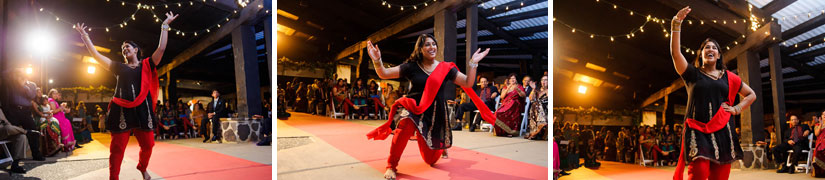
[[777, 88], [269, 52], [752, 117], [445, 35], [248, 86], [471, 38]]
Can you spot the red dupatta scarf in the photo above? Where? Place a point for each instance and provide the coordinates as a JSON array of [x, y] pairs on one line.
[[431, 88], [715, 124], [148, 83]]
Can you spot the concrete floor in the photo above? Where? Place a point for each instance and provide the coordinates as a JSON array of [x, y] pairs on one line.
[[303, 155], [92, 161]]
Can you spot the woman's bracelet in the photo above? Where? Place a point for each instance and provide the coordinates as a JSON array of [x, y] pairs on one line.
[[165, 27], [472, 65]]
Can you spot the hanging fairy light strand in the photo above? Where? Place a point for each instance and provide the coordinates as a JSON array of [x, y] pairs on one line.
[[151, 8], [407, 6], [612, 38]]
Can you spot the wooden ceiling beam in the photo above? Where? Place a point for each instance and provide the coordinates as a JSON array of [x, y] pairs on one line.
[[711, 11], [400, 25], [247, 13]]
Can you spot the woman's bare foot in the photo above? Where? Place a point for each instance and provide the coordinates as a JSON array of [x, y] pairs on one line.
[[444, 154], [146, 175], [389, 175]]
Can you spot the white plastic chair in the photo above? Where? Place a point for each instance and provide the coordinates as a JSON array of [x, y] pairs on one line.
[[6, 151], [524, 117], [807, 165], [644, 161], [335, 112], [484, 124]]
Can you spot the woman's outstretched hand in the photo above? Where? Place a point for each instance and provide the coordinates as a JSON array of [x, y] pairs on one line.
[[683, 13], [374, 52], [478, 55], [81, 28], [170, 17]]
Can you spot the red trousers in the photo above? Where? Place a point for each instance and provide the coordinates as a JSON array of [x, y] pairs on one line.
[[118, 146], [701, 169], [346, 104], [406, 128]]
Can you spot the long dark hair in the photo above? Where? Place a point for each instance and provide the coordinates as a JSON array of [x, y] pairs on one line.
[[416, 55], [719, 64], [139, 54]]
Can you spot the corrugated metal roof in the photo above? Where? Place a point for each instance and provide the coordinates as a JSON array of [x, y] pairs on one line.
[[817, 61], [788, 70], [799, 78], [814, 47], [525, 23], [461, 23], [499, 41], [759, 3], [538, 35], [763, 63], [520, 10], [490, 4]]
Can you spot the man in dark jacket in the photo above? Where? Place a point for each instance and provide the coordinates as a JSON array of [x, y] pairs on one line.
[[216, 110], [796, 139]]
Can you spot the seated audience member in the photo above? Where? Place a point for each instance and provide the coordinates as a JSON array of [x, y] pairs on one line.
[[797, 140], [17, 142]]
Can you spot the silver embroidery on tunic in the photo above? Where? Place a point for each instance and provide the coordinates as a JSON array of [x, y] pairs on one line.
[[715, 147], [693, 149], [732, 152], [122, 124]]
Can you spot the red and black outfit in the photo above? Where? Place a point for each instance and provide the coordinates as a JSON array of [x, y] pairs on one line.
[[709, 144], [132, 110], [424, 112]]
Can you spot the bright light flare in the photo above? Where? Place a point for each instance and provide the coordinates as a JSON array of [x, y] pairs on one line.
[[91, 70], [40, 42], [582, 89]]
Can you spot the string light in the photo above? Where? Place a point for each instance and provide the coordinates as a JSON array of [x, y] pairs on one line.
[[138, 7]]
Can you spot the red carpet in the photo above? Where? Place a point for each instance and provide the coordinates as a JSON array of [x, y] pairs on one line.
[[171, 161], [351, 138]]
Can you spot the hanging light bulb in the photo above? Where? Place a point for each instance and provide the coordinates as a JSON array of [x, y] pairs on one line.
[[165, 6], [123, 3], [107, 29], [41, 9], [383, 3], [190, 3], [415, 7], [611, 38], [591, 36], [207, 30], [402, 8], [574, 30], [178, 4]]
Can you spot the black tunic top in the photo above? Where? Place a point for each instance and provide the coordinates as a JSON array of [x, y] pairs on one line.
[[433, 124], [705, 96], [120, 119]]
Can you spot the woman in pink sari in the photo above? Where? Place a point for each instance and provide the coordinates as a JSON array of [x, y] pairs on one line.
[[512, 105], [66, 134], [819, 147]]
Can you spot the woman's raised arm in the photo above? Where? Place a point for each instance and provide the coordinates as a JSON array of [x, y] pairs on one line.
[[679, 61], [164, 35], [383, 73], [104, 61]]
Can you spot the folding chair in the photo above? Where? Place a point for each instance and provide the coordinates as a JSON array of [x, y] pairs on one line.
[[5, 151], [484, 124], [807, 165], [524, 118], [642, 160]]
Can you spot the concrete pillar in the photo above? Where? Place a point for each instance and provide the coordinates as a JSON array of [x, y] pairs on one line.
[[777, 88], [248, 88], [751, 118], [445, 35]]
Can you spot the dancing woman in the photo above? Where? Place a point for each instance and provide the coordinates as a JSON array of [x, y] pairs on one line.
[[429, 78], [132, 107], [709, 144]]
